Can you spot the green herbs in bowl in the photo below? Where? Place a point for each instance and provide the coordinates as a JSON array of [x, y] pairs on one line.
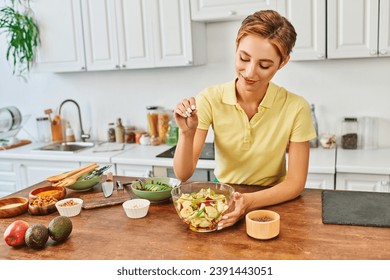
[[83, 184], [155, 189]]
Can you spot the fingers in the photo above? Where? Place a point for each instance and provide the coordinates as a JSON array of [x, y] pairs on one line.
[[227, 221], [186, 107], [232, 217]]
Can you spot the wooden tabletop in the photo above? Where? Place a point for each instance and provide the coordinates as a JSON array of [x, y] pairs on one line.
[[107, 233]]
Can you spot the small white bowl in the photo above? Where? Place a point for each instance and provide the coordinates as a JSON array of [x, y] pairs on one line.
[[69, 210], [136, 208]]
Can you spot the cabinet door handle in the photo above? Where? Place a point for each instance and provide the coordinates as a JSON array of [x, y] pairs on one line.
[[117, 66], [373, 52], [123, 65], [383, 52], [232, 13]]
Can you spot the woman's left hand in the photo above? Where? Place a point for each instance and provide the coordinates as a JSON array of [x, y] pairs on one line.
[[240, 207]]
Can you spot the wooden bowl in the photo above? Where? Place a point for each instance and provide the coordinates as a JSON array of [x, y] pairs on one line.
[[57, 192], [13, 206], [41, 210], [39, 198], [262, 224]]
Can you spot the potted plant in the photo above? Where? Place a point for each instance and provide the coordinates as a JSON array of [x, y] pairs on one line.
[[22, 35]]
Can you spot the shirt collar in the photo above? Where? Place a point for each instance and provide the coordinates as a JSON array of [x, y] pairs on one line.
[[229, 94]]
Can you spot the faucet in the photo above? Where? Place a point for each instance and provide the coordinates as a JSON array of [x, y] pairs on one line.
[[83, 134]]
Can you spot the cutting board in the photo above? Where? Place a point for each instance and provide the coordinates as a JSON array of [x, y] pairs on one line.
[[95, 200], [20, 143], [356, 208]]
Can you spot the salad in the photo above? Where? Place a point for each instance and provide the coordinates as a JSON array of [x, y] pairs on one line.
[[202, 210]]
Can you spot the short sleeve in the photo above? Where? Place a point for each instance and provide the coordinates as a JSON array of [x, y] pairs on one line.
[[303, 128], [204, 108]]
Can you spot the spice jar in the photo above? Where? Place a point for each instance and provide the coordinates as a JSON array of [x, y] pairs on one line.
[[111, 132], [130, 134], [349, 136]]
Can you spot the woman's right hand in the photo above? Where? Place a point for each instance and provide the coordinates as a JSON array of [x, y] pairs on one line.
[[186, 115]]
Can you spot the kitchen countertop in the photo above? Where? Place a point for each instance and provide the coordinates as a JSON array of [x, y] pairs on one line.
[[29, 152], [321, 160], [146, 155], [106, 233]]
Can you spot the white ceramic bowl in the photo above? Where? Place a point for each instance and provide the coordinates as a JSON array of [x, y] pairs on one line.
[[67, 210], [136, 208]]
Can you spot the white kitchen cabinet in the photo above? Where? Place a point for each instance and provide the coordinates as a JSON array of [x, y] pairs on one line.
[[9, 177], [224, 10], [133, 170], [100, 37], [61, 46], [356, 27], [200, 174], [177, 41], [309, 20], [35, 171], [384, 28], [320, 181], [363, 182], [132, 34]]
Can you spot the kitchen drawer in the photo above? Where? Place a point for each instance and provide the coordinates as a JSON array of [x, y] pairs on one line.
[[133, 170], [35, 171], [320, 181], [200, 175], [363, 182], [7, 187], [8, 177], [7, 170]]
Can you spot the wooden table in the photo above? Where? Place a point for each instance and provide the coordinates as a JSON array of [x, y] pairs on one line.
[[107, 233]]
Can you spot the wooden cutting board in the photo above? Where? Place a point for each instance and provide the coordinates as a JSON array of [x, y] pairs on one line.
[[20, 143], [95, 200]]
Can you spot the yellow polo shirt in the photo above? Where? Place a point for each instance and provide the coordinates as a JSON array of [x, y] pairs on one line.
[[253, 152]]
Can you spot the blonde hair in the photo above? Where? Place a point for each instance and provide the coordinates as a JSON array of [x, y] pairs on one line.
[[270, 25]]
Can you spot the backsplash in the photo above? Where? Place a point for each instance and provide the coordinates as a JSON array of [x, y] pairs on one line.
[[338, 88]]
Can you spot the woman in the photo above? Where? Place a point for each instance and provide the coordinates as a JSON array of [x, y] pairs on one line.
[[253, 119]]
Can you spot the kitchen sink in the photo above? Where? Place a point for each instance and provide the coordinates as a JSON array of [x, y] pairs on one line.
[[66, 147]]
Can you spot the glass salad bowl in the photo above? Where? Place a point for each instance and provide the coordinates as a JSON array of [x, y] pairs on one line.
[[201, 204]]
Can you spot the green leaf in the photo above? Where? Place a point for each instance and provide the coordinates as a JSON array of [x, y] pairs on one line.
[[22, 35]]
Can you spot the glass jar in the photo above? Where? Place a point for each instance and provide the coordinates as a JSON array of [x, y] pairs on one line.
[[43, 128], [349, 135], [111, 132], [163, 124], [152, 117], [130, 134]]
